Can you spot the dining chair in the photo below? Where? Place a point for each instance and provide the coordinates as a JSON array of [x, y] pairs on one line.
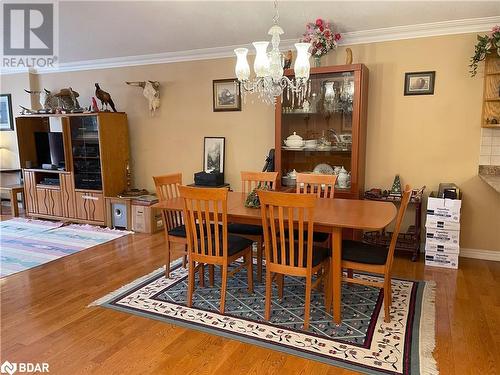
[[250, 181], [359, 256], [205, 214], [323, 185], [296, 256], [167, 187]]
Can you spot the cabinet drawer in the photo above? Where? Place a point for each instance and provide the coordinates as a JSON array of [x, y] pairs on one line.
[[89, 206]]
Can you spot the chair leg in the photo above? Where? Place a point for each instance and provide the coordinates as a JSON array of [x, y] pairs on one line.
[[327, 288], [281, 282], [167, 262], [269, 290], [349, 273], [259, 261], [249, 262], [223, 288], [211, 275], [13, 203], [389, 289], [387, 303], [201, 275], [191, 272], [307, 302], [184, 261]]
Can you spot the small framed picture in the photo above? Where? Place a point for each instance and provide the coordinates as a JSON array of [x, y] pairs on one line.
[[6, 116], [419, 83], [213, 154], [227, 95]]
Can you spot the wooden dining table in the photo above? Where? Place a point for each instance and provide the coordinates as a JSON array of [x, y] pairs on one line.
[[330, 216]]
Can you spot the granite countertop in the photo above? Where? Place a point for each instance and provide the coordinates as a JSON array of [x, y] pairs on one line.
[[491, 175]]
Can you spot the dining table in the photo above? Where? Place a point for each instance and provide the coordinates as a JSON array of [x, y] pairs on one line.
[[331, 215]]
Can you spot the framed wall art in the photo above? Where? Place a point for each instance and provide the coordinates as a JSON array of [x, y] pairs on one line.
[[213, 154], [6, 116], [226, 95], [419, 83]]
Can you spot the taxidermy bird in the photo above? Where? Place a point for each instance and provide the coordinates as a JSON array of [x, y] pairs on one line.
[[105, 98], [288, 60]]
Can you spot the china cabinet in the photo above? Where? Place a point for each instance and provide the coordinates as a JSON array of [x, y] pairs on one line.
[[325, 131]]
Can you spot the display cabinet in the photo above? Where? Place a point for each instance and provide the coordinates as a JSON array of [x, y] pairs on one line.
[[331, 120]]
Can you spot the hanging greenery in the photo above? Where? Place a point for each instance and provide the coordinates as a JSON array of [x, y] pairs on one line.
[[486, 44]]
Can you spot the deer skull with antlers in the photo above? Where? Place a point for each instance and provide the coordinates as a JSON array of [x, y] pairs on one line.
[[151, 91]]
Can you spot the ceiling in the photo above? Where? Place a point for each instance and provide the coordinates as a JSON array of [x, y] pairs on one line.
[[110, 29]]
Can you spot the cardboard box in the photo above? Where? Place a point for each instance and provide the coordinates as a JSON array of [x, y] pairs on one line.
[[439, 223], [445, 209], [441, 260], [438, 247], [443, 236], [146, 219]]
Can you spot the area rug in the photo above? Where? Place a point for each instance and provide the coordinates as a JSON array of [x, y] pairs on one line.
[[363, 342], [28, 243]]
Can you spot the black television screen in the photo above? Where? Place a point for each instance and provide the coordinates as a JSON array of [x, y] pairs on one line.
[[49, 148]]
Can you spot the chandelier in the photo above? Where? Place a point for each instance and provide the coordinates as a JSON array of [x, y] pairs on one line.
[[270, 82]]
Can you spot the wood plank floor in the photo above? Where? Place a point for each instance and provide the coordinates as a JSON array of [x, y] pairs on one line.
[[44, 318]]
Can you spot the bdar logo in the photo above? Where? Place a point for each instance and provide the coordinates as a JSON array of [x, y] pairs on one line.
[[8, 368]]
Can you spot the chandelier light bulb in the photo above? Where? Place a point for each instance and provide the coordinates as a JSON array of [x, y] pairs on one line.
[[302, 66], [242, 69], [261, 63]]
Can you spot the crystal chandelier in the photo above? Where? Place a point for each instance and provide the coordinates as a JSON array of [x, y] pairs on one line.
[[269, 82]]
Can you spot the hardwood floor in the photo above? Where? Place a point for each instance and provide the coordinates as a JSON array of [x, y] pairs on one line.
[[44, 318]]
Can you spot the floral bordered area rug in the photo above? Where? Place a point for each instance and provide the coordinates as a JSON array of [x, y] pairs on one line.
[[363, 342]]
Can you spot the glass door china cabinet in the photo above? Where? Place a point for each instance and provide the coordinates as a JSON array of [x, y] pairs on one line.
[[325, 131]]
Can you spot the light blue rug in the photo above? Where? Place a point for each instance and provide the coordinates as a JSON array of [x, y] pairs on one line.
[[26, 243]]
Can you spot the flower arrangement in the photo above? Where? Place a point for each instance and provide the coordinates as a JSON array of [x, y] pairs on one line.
[[321, 36], [486, 44]]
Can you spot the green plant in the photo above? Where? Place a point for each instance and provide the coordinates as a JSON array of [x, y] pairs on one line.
[[486, 44]]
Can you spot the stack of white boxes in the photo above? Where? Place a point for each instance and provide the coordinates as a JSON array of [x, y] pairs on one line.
[[442, 232]]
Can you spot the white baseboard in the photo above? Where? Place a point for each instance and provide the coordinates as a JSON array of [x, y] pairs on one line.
[[480, 254]]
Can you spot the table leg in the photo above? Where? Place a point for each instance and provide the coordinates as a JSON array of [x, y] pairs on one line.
[[13, 203], [336, 270]]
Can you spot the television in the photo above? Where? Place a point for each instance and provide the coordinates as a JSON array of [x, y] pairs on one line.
[[50, 149]]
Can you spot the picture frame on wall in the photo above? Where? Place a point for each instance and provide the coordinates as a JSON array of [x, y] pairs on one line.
[[6, 115], [419, 83], [213, 154], [226, 95]]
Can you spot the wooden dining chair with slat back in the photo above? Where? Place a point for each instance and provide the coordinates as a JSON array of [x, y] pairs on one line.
[[323, 185], [359, 256], [250, 181], [297, 256], [205, 215], [167, 187]]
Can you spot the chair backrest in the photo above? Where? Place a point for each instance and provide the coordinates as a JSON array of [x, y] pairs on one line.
[[204, 210], [280, 212], [399, 219], [167, 187], [251, 180], [323, 185]]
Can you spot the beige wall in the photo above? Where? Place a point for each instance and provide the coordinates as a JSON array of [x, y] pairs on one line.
[[426, 139]]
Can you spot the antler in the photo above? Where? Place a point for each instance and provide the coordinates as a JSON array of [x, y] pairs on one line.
[[32, 92], [136, 83]]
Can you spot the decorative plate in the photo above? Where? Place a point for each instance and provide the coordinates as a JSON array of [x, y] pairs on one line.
[[323, 169]]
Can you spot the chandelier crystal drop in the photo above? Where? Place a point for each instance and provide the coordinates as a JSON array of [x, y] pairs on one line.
[[269, 82]]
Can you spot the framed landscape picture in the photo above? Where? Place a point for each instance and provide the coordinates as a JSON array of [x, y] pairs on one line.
[[226, 95], [213, 154], [419, 83], [6, 116]]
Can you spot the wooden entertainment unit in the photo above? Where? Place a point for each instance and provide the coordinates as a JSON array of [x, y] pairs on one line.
[[96, 153]]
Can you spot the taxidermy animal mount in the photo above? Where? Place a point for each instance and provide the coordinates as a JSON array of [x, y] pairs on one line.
[[105, 98], [50, 101], [151, 91]]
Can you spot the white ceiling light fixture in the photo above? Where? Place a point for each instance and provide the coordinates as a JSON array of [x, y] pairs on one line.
[[270, 82]]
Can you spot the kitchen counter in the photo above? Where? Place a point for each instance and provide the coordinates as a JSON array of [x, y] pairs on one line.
[[491, 175]]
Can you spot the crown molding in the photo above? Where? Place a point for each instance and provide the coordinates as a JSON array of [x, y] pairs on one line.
[[348, 38]]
